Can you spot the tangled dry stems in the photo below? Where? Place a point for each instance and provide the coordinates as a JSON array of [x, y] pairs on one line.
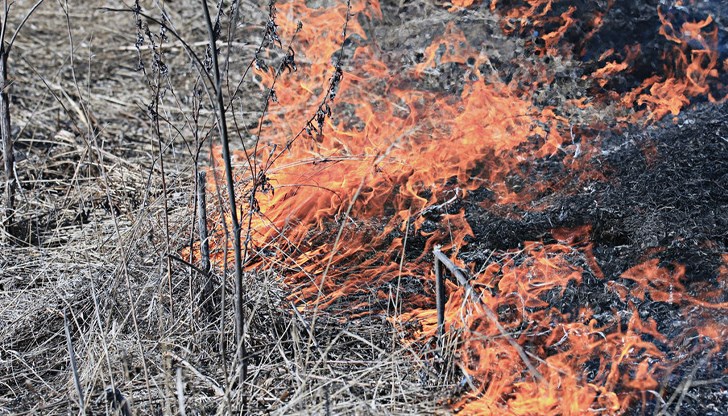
[[89, 242]]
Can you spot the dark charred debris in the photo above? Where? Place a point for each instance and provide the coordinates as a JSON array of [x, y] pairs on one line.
[[665, 189]]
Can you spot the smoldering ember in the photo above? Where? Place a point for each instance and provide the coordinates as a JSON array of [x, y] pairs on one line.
[[359, 207]]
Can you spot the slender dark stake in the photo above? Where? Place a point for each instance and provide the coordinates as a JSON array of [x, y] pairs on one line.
[[222, 129], [440, 299], [6, 136], [206, 300], [202, 222]]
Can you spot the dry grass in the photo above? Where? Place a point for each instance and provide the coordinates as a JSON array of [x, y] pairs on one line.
[[90, 242]]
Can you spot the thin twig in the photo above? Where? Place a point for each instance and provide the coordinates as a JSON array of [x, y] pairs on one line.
[[74, 365], [180, 392], [440, 299]]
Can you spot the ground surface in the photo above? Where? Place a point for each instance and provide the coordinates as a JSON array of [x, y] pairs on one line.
[[89, 253]]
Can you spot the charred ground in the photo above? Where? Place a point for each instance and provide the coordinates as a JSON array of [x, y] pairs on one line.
[[664, 196], [663, 187]]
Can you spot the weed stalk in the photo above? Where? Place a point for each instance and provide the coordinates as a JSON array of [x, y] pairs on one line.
[[5, 132], [222, 130]]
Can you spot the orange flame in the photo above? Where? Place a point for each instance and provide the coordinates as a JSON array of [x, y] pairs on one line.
[[388, 169], [584, 364], [693, 68]]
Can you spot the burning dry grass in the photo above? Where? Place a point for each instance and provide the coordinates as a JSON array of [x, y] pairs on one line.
[[90, 240]]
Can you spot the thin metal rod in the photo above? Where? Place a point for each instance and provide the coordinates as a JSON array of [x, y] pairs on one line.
[[202, 221], [440, 299]]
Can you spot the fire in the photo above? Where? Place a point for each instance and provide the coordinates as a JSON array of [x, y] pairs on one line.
[[388, 168], [694, 68], [589, 364], [691, 61], [548, 22]]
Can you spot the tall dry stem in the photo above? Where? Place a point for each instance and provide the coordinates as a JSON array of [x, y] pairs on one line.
[[5, 132], [230, 182]]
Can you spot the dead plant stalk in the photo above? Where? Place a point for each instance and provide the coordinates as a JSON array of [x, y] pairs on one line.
[[222, 130], [5, 132]]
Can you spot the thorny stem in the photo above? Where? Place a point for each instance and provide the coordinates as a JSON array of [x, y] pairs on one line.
[[155, 85], [158, 133], [259, 180], [195, 59], [259, 176], [222, 129], [330, 94]]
